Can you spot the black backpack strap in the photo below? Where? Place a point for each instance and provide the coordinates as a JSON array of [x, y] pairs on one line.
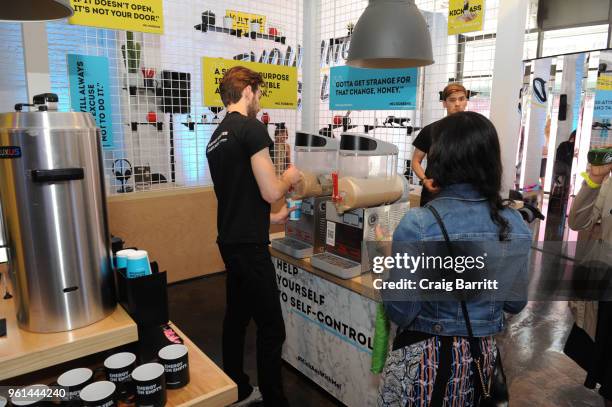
[[474, 343], [436, 215]]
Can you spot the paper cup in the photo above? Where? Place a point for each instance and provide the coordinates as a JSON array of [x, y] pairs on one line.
[[99, 394], [150, 381], [121, 258], [175, 360], [37, 398], [296, 214], [138, 264], [73, 381]]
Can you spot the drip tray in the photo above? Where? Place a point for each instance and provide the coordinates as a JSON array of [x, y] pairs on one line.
[[293, 247], [336, 265]]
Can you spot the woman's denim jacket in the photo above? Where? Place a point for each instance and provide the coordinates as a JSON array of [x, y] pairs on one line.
[[466, 215]]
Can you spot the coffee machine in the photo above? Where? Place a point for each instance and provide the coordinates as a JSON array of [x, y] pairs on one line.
[[315, 157], [369, 198]]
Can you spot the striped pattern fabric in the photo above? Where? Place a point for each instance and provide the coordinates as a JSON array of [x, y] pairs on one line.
[[410, 372]]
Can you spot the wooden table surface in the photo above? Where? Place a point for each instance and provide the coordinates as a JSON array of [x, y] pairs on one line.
[[208, 384], [24, 352]]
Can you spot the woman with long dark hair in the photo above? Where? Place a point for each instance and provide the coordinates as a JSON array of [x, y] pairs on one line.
[[433, 362]]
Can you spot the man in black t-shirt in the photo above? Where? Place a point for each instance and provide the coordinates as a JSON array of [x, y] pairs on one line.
[[246, 184], [454, 99]]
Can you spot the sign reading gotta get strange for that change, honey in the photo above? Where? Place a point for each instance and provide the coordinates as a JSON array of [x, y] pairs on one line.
[[130, 15], [280, 82]]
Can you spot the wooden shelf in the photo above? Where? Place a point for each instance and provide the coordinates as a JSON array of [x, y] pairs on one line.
[[23, 352], [208, 385]]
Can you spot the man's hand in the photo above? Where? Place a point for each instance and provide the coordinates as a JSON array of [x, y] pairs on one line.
[[282, 215], [598, 173], [292, 175], [429, 184]]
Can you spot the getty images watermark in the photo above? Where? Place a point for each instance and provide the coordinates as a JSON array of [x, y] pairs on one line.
[[423, 263], [515, 270]]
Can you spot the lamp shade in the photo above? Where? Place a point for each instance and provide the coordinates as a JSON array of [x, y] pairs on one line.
[[36, 10], [390, 34]]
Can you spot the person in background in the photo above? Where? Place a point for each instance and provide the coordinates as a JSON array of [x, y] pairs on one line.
[[281, 151], [544, 159], [431, 361], [246, 184], [590, 342], [454, 99], [563, 160]]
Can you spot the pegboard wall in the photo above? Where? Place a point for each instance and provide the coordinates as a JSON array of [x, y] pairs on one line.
[[145, 133], [466, 58], [12, 72]]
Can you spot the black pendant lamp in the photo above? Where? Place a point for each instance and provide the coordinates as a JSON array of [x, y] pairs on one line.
[[35, 10], [390, 34]]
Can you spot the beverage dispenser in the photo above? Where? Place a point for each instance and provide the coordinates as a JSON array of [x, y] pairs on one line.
[[315, 157], [367, 173], [54, 211], [368, 195]]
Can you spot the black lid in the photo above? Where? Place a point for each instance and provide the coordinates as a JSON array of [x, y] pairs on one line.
[[309, 140], [44, 98], [356, 142]]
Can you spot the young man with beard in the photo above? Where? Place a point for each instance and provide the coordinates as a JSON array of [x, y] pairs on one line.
[[246, 184], [454, 99]]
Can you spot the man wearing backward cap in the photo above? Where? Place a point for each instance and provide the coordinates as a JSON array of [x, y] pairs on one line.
[[454, 99]]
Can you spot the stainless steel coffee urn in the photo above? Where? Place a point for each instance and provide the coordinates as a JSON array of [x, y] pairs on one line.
[[54, 208]]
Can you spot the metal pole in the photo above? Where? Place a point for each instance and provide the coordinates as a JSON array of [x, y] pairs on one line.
[[311, 68], [507, 82], [36, 58]]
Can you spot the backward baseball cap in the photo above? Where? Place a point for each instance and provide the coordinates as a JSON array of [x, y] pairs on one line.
[[452, 88]]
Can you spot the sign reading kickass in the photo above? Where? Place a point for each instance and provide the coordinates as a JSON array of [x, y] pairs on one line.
[[89, 91], [465, 16], [130, 15], [279, 91], [372, 89]]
